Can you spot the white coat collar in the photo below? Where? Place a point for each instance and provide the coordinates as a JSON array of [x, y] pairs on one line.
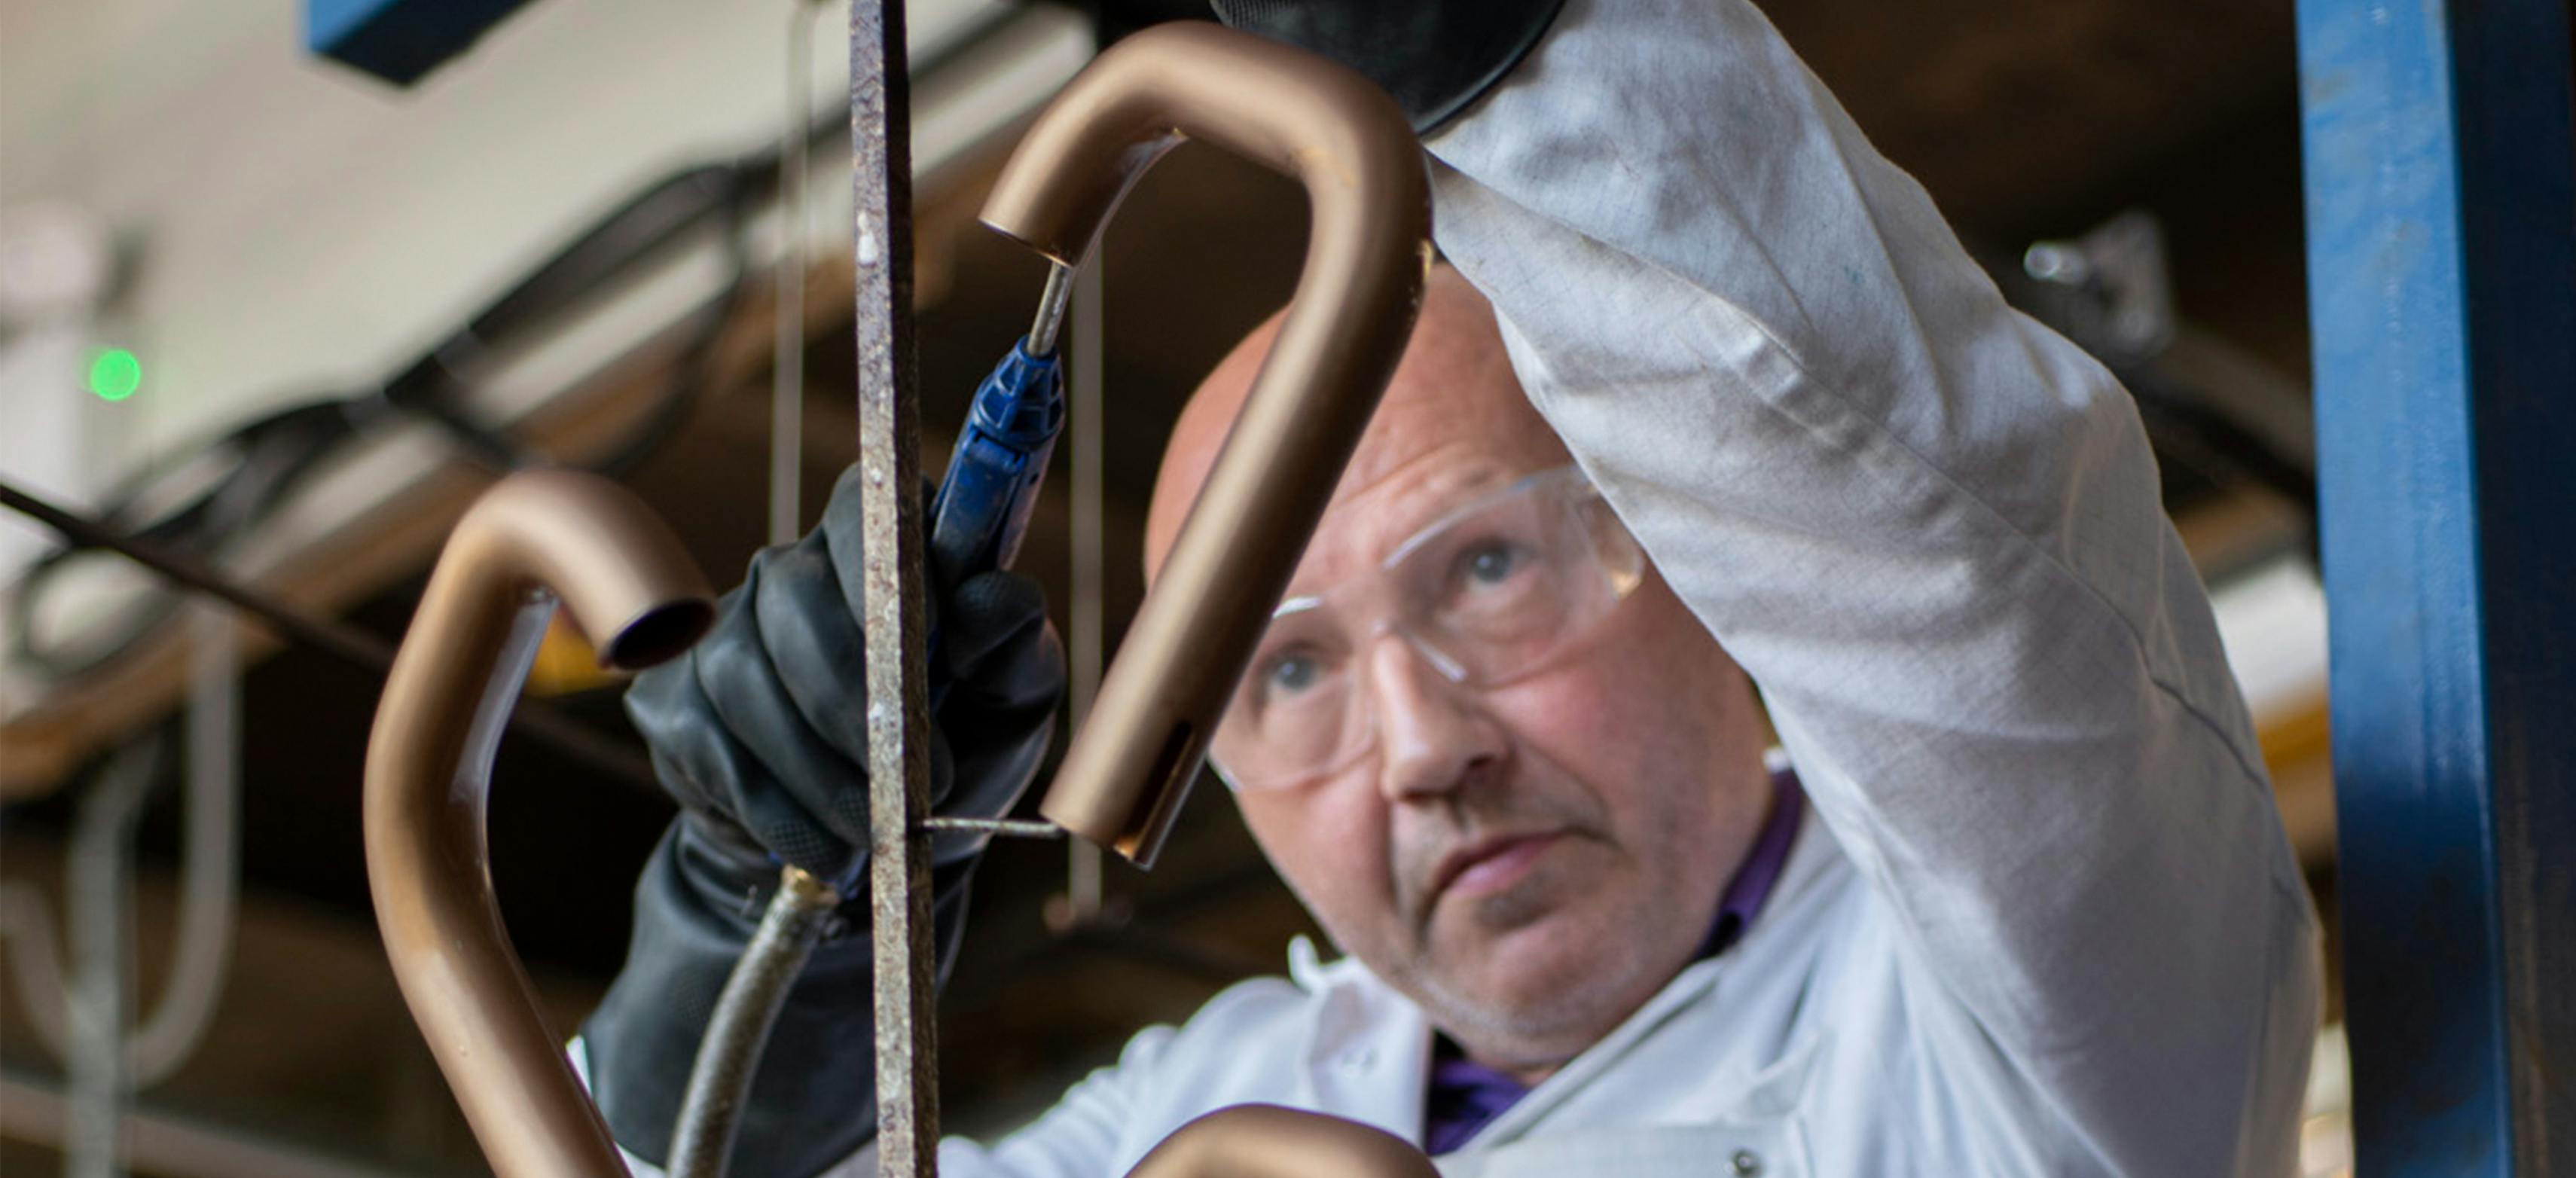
[[1367, 1054], [1368, 1051]]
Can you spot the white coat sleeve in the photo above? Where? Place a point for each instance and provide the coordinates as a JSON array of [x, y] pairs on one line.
[[1929, 528]]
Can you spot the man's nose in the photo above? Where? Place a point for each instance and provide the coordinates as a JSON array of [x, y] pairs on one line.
[[1434, 736]]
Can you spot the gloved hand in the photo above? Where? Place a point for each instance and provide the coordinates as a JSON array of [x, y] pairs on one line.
[[760, 733]]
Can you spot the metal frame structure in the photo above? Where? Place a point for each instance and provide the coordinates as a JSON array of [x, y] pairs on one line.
[[890, 466], [2441, 221]]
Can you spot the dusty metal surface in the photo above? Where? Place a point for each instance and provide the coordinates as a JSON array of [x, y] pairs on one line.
[[626, 583], [898, 713], [1369, 246]]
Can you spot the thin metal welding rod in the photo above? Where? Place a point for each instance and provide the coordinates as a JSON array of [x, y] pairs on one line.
[[1020, 828], [898, 710], [530, 719]]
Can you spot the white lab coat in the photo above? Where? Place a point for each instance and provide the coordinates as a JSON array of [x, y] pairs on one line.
[[2048, 923]]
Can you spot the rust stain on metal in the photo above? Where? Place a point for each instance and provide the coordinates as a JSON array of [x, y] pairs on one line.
[[889, 461]]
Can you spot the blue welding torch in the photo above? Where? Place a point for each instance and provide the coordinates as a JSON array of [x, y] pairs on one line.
[[978, 517], [981, 510]]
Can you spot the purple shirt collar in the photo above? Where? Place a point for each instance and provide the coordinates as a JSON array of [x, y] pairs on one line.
[[1760, 869], [1465, 1096]]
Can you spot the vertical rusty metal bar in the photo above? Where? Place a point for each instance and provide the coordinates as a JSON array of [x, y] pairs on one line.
[[889, 462]]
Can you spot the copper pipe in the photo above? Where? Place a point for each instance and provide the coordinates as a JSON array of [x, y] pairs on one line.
[[633, 591], [1266, 1141], [1368, 253]]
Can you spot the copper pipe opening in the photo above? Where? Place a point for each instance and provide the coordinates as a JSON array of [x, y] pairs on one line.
[[628, 585], [1368, 193], [658, 635]]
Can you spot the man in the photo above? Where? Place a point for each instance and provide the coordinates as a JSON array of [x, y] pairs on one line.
[[1711, 388]]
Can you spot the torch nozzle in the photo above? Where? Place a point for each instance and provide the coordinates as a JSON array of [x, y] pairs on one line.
[[1051, 301]]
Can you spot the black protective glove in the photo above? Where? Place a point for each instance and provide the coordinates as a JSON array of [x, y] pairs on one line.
[[760, 732], [1436, 57]]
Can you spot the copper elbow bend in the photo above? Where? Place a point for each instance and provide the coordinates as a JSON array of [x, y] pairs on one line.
[[631, 588], [1367, 257], [1266, 1141]]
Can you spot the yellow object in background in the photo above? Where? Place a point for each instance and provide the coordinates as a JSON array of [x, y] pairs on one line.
[[566, 662]]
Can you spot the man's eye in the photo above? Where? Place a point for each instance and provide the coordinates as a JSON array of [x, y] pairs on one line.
[[1490, 564], [1289, 674]]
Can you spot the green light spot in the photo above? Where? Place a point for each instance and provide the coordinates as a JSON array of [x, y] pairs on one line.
[[115, 374]]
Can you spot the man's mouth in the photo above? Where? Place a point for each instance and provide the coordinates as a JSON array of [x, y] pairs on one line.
[[1490, 865]]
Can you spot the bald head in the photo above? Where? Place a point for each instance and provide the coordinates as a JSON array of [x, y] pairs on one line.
[[1453, 391], [1622, 770]]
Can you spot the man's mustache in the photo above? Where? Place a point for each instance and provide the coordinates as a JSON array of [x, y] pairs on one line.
[[1512, 809]]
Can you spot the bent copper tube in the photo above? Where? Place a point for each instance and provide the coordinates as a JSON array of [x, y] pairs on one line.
[[1267, 1141], [632, 590], [1369, 249]]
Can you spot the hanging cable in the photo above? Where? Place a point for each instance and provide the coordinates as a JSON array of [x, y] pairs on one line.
[[210, 876], [96, 899], [787, 366], [211, 496], [35, 965], [87, 1023], [592, 750]]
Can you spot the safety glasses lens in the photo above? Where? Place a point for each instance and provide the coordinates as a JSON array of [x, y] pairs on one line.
[[1489, 594]]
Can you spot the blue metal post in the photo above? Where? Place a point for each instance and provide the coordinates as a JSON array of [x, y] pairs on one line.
[[2441, 197]]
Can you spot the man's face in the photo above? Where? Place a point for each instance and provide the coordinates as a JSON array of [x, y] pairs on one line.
[[1529, 861]]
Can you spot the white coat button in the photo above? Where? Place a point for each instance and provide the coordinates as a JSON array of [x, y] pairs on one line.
[[1359, 1059], [1747, 1163]]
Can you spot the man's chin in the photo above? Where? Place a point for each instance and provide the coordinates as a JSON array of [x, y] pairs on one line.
[[1533, 1019], [1536, 970]]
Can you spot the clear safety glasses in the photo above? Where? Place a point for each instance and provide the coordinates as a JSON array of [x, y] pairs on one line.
[[1492, 592]]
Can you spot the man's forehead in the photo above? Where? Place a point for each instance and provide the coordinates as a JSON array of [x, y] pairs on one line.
[[1432, 421], [1454, 423], [1365, 524]]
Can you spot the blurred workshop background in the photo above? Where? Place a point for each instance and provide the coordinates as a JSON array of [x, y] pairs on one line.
[[271, 310]]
